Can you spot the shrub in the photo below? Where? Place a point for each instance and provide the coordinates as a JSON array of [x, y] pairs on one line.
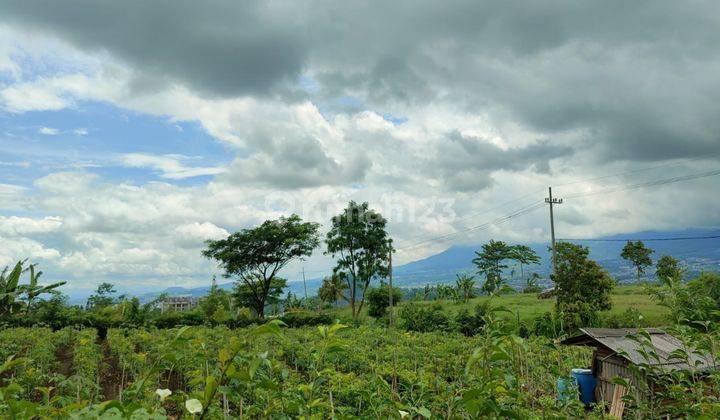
[[706, 284], [305, 318], [420, 318], [631, 318], [173, 319], [548, 325], [379, 300], [471, 324]]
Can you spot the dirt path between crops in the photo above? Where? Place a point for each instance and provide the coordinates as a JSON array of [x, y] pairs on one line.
[[110, 372], [64, 357]]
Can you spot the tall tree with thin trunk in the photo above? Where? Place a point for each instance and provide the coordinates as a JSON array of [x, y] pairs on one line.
[[524, 255], [332, 289], [639, 255], [360, 243], [255, 256], [491, 263]]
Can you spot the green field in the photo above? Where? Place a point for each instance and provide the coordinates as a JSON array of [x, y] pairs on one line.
[[528, 307]]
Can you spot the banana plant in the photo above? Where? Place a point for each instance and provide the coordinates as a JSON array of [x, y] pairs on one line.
[[33, 290], [11, 292]]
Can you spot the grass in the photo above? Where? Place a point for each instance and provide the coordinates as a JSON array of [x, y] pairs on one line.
[[529, 307]]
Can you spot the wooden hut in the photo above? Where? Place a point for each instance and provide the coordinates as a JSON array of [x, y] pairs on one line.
[[616, 351]]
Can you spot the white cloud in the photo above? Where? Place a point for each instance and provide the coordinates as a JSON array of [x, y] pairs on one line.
[[17, 249], [80, 131], [65, 182], [49, 131], [194, 234], [170, 166], [18, 226]]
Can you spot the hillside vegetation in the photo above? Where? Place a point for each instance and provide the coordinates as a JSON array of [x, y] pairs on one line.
[[528, 307]]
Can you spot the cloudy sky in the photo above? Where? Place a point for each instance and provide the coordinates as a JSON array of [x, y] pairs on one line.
[[132, 131]]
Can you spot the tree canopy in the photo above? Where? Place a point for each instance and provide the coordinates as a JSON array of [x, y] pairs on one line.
[[490, 262], [361, 245], [668, 268], [583, 286], [638, 255], [332, 289], [255, 256]]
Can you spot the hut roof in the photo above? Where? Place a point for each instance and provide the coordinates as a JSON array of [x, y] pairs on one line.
[[663, 345]]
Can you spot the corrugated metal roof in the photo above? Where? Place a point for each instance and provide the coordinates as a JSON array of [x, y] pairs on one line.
[[660, 353]]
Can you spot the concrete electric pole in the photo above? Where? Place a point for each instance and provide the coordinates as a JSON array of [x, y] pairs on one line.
[[550, 200]]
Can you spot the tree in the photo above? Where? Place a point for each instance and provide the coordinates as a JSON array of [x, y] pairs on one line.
[[9, 291], [445, 291], [291, 301], [706, 285], [531, 284], [244, 294], [215, 306], [361, 245], [465, 285], [668, 268], [583, 286], [102, 298], [379, 299], [524, 255], [332, 289], [255, 256], [427, 290], [638, 255], [12, 292], [490, 263]]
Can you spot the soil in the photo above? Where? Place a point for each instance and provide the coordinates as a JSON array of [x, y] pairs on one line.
[[64, 358], [110, 372]]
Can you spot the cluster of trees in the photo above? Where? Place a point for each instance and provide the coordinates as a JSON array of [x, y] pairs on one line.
[[254, 257], [360, 245], [492, 261]]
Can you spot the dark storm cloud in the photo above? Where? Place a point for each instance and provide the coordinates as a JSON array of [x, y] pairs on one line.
[[299, 163], [466, 163], [637, 80], [221, 48]]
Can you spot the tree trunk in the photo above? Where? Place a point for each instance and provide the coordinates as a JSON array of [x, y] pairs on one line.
[[260, 309]]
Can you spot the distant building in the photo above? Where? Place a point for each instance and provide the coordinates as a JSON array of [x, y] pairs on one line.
[[177, 303]]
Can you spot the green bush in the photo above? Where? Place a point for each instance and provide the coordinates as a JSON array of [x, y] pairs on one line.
[[706, 284], [631, 318], [471, 324], [378, 300], [305, 318], [173, 319], [421, 318]]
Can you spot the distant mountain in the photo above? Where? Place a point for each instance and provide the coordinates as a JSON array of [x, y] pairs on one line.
[[697, 255]]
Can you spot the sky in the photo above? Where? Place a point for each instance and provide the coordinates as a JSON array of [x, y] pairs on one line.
[[133, 131]]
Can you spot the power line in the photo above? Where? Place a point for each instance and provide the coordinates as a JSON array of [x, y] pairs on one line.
[[653, 183], [685, 238], [534, 206], [483, 226], [483, 211], [633, 171]]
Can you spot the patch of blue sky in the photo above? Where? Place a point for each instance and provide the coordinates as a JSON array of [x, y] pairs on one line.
[[395, 120], [93, 136], [308, 84]]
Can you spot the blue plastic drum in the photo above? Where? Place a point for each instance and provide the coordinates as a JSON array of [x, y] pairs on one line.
[[587, 383]]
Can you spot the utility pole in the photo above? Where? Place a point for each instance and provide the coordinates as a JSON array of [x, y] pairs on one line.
[[550, 200], [391, 320], [304, 285], [390, 288]]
